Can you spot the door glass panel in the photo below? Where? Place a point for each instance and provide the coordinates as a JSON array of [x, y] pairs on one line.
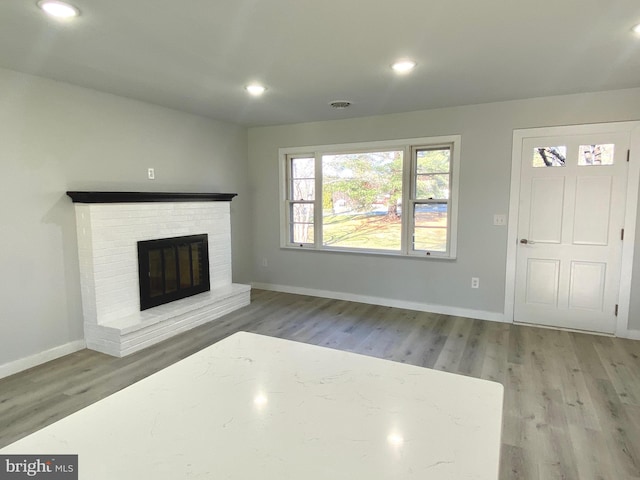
[[549, 156], [596, 154]]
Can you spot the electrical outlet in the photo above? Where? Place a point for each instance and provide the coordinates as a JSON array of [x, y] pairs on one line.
[[475, 282], [151, 173], [499, 219]]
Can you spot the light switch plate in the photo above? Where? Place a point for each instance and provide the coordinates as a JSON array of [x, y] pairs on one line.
[[499, 219]]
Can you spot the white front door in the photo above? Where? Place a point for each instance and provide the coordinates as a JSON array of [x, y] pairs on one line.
[[570, 220]]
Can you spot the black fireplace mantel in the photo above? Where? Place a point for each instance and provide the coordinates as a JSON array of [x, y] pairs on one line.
[[138, 197]]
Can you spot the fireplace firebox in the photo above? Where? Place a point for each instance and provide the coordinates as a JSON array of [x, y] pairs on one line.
[[172, 268]]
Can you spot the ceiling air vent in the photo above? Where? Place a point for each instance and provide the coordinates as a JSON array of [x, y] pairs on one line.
[[340, 104]]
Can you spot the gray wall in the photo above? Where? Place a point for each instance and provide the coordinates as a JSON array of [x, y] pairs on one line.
[[487, 132], [56, 137]]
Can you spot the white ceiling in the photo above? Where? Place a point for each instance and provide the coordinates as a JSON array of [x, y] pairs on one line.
[[197, 55]]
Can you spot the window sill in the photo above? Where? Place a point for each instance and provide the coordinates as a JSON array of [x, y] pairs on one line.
[[374, 253]]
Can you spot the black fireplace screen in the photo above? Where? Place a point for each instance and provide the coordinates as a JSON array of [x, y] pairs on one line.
[[172, 268]]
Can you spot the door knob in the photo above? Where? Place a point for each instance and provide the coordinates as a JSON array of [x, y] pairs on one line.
[[524, 241]]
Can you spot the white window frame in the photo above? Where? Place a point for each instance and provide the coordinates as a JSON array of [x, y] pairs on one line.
[[408, 146], [289, 202]]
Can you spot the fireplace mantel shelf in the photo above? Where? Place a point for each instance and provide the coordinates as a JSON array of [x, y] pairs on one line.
[[139, 197]]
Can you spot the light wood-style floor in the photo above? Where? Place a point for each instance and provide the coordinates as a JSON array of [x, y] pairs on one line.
[[572, 401]]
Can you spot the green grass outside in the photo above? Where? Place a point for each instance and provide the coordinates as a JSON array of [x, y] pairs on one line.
[[377, 232]]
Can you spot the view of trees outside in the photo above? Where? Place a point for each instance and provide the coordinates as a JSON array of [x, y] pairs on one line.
[[432, 174], [596, 154], [361, 195], [362, 199], [432, 193], [549, 156], [302, 196], [587, 155]]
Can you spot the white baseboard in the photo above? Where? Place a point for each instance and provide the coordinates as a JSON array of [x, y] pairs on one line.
[[386, 302], [630, 334], [39, 358]]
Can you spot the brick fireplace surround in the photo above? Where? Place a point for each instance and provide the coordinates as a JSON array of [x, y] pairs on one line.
[[109, 225]]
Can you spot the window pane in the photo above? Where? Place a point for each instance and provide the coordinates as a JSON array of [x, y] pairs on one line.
[[302, 213], [303, 168], [596, 154], [303, 190], [430, 239], [302, 179], [302, 233], [433, 161], [430, 227], [549, 156], [302, 223], [361, 196], [432, 187]]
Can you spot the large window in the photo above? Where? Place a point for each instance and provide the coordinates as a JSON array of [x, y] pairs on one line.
[[383, 197], [361, 200]]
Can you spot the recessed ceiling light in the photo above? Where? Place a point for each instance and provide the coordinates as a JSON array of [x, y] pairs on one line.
[[58, 9], [255, 89], [403, 66], [636, 29]]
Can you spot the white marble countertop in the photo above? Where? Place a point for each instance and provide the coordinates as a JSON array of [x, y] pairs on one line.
[[259, 408]]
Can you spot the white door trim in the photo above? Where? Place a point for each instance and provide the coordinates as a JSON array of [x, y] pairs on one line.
[[624, 299]]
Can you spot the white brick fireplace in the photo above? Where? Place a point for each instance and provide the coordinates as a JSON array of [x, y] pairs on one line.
[[109, 225]]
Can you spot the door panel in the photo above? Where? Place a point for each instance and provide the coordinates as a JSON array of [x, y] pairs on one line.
[[547, 198], [542, 281], [592, 211], [587, 285], [571, 211]]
